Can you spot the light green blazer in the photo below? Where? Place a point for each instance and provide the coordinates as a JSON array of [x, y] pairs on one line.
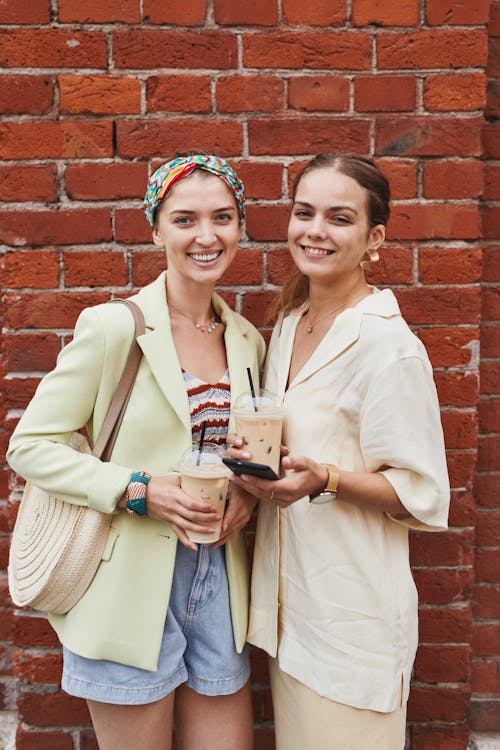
[[121, 615]]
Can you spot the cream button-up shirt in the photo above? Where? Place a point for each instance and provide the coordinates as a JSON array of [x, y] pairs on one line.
[[332, 591]]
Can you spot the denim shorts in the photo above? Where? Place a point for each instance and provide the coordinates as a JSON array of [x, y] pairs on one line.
[[197, 648]]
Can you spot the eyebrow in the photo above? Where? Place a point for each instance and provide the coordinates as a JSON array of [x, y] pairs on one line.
[[215, 211], [331, 208]]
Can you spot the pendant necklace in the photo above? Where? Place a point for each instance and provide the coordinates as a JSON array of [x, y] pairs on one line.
[[201, 327], [343, 306]]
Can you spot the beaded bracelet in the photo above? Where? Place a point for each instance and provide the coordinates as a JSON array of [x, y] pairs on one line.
[[135, 494]]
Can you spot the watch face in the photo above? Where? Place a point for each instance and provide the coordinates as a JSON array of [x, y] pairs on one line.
[[322, 498]]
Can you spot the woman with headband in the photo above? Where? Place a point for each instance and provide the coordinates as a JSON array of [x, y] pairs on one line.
[[158, 639]]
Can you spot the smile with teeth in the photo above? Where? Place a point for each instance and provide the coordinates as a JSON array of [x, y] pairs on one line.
[[205, 257], [316, 251]]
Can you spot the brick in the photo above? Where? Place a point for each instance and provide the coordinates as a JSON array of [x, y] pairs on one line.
[[442, 664], [490, 218], [75, 226], [487, 566], [462, 509], [489, 414], [460, 429], [395, 266], [491, 182], [95, 269], [486, 490], [491, 303], [20, 12], [491, 264], [267, 222], [485, 639], [261, 179], [176, 12], [484, 715], [36, 668], [28, 183], [447, 548], [25, 352], [447, 48], [263, 93], [493, 68], [251, 13], [432, 221], [39, 740], [402, 175], [461, 467], [488, 529], [384, 93], [490, 340], [56, 139], [428, 136], [434, 737], [485, 676], [247, 268], [450, 347], [443, 704], [385, 12], [319, 93], [106, 181], [491, 140], [487, 601], [155, 48], [26, 94], [459, 12], [131, 226], [449, 265], [57, 709], [488, 451], [148, 138], [146, 266], [279, 265], [36, 269], [338, 50], [294, 136], [453, 179], [178, 93], [34, 631], [19, 391], [99, 94], [52, 48], [48, 309], [457, 92], [256, 306], [494, 20], [319, 13], [99, 11]]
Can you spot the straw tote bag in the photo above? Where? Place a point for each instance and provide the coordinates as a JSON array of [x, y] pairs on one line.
[[57, 546]]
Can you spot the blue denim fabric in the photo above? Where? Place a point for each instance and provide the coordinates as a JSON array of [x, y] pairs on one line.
[[197, 646]]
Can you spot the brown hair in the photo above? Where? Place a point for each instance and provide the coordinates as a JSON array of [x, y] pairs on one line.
[[363, 170]]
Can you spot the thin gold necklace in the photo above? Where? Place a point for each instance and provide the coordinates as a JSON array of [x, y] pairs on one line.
[[343, 306], [201, 327]]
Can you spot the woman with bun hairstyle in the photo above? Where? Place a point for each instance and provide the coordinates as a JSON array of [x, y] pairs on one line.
[[333, 600]]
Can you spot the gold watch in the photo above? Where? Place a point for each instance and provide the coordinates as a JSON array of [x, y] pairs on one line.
[[330, 491]]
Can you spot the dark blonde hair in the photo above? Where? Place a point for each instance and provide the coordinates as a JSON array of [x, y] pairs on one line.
[[364, 171]]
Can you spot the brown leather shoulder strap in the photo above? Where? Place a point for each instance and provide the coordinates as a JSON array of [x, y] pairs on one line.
[[105, 441]]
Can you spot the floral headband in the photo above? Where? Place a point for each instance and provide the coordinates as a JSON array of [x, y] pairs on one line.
[[168, 174]]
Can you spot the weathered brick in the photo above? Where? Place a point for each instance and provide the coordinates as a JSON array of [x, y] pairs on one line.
[[52, 48], [136, 138], [264, 93], [26, 94], [28, 183], [106, 181], [295, 136], [253, 13], [95, 268], [37, 269], [99, 11], [155, 48], [319, 93], [146, 265], [450, 347], [428, 136], [48, 309], [131, 226], [442, 664], [176, 12], [432, 221], [247, 268], [267, 222], [386, 93], [402, 175], [442, 306], [67, 139], [261, 179], [40, 740], [319, 13], [385, 12], [74, 226], [449, 265], [99, 94], [429, 736], [20, 12], [308, 49], [178, 93], [459, 12], [443, 704], [456, 92], [457, 179], [460, 429], [56, 709], [32, 668], [25, 352], [447, 48]]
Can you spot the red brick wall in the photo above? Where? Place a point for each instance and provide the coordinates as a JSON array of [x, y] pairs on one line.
[[95, 93]]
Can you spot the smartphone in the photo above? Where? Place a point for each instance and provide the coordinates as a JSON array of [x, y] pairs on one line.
[[248, 467]]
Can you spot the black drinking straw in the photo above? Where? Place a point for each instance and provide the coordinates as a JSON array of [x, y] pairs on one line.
[[252, 389], [202, 438]]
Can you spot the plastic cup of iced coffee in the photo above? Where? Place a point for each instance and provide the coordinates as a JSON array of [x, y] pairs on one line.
[[204, 477], [259, 422]]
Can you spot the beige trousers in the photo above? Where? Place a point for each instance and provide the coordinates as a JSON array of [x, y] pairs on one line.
[[306, 721]]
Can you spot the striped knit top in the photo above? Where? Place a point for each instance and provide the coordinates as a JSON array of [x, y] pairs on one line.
[[210, 403]]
